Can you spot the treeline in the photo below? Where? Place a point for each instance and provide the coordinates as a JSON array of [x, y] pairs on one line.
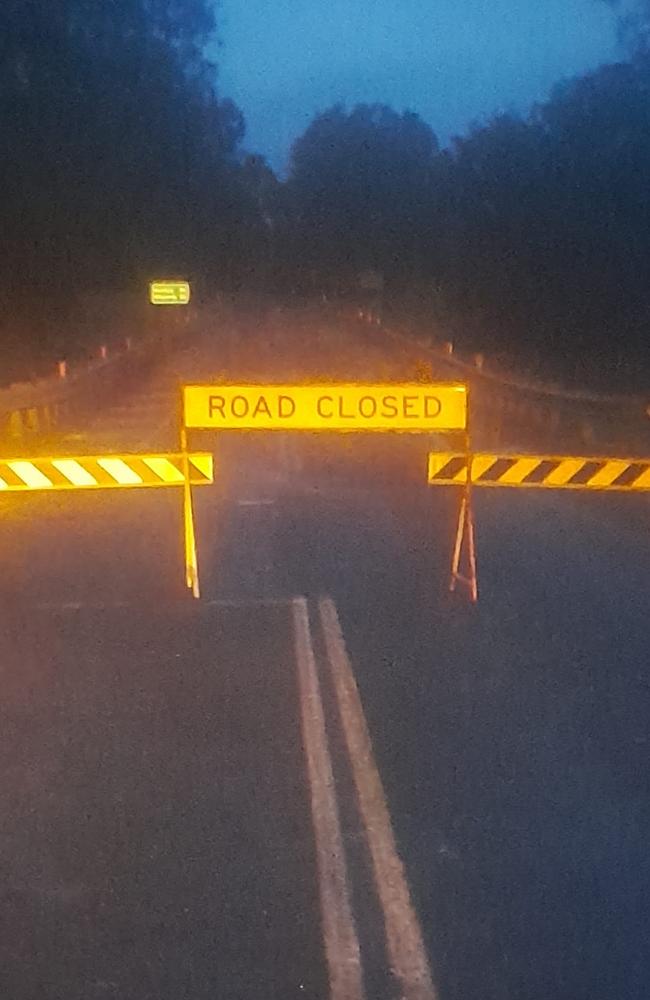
[[528, 239], [118, 160]]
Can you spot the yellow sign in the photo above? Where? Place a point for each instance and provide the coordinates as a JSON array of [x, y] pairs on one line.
[[87, 472], [541, 471], [169, 293], [343, 407]]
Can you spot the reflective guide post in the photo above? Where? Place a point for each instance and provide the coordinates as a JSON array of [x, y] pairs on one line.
[[414, 407]]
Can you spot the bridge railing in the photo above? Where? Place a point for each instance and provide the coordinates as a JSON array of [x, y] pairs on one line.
[[512, 412], [40, 407]]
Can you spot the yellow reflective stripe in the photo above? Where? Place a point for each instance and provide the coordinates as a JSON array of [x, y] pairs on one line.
[[643, 481], [204, 464], [565, 470], [480, 465], [73, 471], [164, 469], [437, 461], [611, 471], [120, 471], [30, 475], [522, 468]]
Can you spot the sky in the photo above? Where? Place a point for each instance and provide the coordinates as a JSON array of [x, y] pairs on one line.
[[454, 62]]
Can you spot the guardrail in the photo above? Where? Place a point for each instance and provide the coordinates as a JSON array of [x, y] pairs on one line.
[[510, 411], [38, 408]]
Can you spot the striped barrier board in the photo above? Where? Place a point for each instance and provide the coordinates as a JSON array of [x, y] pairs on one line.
[[98, 472], [540, 471]]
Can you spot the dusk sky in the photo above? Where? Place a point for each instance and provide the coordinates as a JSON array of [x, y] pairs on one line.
[[452, 61]]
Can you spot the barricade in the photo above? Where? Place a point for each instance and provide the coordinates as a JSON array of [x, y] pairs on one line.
[[565, 472]]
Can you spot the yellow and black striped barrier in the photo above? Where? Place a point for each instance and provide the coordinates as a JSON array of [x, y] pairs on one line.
[[98, 472], [540, 471]]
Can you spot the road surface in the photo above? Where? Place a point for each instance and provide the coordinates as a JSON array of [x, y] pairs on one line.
[[160, 833]]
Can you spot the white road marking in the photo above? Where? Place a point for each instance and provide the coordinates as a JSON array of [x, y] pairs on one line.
[[406, 951], [256, 503], [339, 931]]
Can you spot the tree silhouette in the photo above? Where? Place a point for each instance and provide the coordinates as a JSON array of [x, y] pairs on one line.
[[118, 159], [359, 184]]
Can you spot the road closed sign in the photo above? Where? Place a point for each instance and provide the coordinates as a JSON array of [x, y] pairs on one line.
[[414, 407]]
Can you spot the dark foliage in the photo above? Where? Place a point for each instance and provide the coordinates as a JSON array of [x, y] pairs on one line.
[[529, 238], [118, 162]]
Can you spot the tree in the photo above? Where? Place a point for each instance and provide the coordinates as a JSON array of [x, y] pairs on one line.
[[547, 228], [118, 160], [359, 187]]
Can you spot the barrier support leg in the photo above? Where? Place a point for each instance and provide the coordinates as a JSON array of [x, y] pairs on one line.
[[465, 533], [191, 559]]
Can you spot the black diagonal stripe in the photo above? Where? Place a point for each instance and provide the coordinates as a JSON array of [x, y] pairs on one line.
[[539, 474], [179, 464], [496, 470], [93, 467], [451, 468], [583, 475], [195, 473], [10, 477], [629, 475], [643, 467], [144, 471], [42, 465], [53, 474], [149, 476]]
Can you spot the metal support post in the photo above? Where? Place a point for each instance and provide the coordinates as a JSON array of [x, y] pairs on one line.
[[191, 558], [465, 534]]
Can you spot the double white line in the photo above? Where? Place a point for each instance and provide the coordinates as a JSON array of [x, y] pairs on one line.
[[404, 945]]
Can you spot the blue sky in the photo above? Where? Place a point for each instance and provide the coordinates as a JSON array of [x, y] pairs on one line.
[[452, 61]]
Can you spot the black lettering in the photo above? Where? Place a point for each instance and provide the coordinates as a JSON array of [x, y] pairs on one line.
[[366, 411], [216, 404], [262, 406], [286, 406], [342, 413], [389, 406], [319, 407], [432, 406], [407, 403], [243, 409]]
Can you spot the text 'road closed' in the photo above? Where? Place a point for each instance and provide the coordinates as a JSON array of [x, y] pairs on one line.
[[387, 407]]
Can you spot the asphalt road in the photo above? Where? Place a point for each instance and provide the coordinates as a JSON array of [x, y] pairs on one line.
[[512, 737], [157, 838]]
